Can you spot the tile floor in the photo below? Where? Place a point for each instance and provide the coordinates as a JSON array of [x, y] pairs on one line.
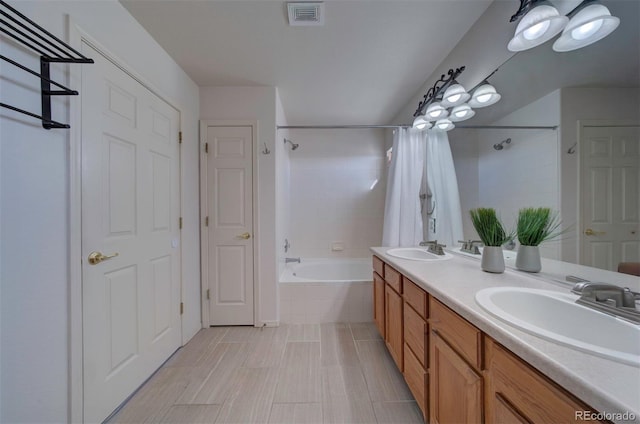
[[311, 373]]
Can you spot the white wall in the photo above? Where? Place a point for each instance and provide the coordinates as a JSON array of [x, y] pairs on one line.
[[255, 103], [283, 190], [34, 194], [333, 196], [586, 104], [524, 173]]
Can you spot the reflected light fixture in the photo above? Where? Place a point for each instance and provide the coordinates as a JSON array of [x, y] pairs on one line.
[[436, 111], [541, 23], [461, 113], [484, 95], [591, 22], [421, 123], [454, 95], [444, 125]]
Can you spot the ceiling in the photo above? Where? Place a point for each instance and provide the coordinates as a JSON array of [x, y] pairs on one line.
[[361, 67]]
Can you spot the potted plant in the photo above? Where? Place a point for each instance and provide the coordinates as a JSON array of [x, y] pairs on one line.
[[493, 235], [534, 226]]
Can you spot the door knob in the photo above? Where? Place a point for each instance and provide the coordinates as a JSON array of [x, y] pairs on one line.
[[96, 257], [591, 232], [245, 236]]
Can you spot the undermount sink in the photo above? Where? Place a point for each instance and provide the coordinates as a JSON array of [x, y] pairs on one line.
[[555, 316], [416, 254]]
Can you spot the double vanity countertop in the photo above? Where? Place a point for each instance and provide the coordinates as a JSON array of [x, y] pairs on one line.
[[606, 385]]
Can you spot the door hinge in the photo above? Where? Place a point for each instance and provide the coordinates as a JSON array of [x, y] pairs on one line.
[[180, 137], [208, 294], [206, 222], [180, 223], [181, 308], [206, 147]]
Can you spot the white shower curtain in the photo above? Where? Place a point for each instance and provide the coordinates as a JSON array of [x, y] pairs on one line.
[[444, 218], [402, 218]]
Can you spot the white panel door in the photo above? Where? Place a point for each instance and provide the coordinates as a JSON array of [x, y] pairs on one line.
[[130, 207], [610, 196], [229, 193]]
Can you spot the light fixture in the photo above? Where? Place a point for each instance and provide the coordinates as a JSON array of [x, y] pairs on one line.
[[484, 95], [421, 123], [461, 113], [541, 23], [444, 125], [455, 95], [436, 111], [592, 22]]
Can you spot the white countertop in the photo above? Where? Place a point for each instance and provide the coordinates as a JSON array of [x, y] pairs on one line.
[[605, 385]]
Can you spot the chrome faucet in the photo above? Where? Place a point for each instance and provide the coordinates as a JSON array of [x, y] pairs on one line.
[[289, 260], [434, 247], [608, 298], [470, 246]]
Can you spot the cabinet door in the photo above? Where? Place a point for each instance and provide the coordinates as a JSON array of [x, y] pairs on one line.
[[514, 385], [393, 330], [378, 303], [455, 388]]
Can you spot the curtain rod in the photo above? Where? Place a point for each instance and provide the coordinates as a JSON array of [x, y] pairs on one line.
[[357, 127]]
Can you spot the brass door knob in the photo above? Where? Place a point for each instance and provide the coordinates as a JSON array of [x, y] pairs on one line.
[[591, 232], [96, 257], [245, 236]]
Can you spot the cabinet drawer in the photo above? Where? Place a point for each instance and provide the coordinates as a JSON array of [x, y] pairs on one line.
[[393, 278], [415, 333], [378, 266], [460, 334], [416, 378], [415, 296]]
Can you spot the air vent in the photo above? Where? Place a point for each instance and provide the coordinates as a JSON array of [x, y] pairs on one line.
[[306, 14]]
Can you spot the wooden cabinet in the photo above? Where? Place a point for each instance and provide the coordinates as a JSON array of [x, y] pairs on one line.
[[416, 342], [378, 303], [517, 393], [393, 329]]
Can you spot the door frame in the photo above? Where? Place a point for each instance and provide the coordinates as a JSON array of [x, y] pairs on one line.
[[78, 35], [581, 125], [204, 231]]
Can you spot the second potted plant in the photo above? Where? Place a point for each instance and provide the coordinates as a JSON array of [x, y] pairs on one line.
[[493, 235], [534, 226]]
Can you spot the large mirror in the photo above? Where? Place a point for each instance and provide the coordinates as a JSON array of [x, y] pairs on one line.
[[582, 159]]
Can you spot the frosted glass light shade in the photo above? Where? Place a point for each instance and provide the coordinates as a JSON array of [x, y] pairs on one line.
[[483, 96], [444, 125], [421, 123], [455, 95], [461, 113], [538, 26], [436, 111], [589, 25]]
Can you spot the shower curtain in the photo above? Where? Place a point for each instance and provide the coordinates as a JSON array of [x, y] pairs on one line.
[[443, 214], [402, 218]]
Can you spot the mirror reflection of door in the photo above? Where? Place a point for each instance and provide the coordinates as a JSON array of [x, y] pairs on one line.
[[610, 195]]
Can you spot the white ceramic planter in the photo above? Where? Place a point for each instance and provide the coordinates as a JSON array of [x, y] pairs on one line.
[[528, 259], [492, 259]]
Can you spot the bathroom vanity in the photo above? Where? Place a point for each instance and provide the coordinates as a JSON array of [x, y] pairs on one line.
[[464, 365]]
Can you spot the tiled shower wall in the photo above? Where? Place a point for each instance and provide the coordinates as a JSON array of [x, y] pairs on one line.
[[337, 180]]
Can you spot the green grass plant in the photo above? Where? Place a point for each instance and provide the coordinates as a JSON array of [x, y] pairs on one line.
[[536, 225], [489, 227]]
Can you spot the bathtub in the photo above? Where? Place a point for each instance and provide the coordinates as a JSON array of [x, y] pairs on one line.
[[326, 290]]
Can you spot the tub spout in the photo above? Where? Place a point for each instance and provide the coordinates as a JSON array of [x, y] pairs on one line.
[[289, 260]]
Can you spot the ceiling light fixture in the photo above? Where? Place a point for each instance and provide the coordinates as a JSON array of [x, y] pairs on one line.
[[455, 95], [421, 123], [436, 94], [484, 95], [590, 22], [541, 23], [461, 113], [444, 125], [436, 111]]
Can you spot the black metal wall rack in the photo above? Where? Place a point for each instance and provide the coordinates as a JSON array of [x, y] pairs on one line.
[[51, 50]]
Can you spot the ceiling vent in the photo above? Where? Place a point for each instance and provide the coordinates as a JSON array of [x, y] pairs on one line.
[[306, 14]]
